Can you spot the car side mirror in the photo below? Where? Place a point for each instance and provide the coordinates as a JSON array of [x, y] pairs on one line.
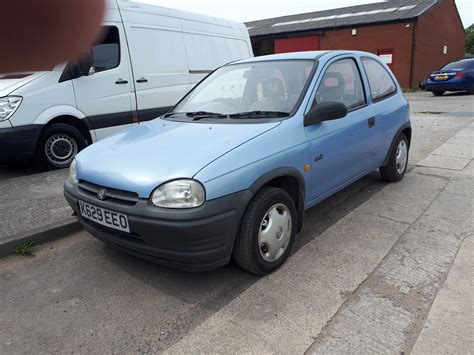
[[325, 111], [85, 65]]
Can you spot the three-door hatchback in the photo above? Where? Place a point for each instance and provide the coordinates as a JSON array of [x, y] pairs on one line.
[[230, 170]]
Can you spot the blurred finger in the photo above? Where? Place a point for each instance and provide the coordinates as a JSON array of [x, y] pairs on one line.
[[38, 34]]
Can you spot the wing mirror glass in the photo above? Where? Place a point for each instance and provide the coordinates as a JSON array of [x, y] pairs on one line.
[[325, 111], [85, 65]]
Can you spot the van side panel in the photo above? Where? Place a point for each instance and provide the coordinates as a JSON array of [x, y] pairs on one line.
[[159, 59], [173, 50], [206, 53]]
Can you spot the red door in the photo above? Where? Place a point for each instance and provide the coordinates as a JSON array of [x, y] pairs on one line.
[[296, 44]]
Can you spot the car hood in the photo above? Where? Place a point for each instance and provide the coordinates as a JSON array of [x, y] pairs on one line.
[[142, 158], [12, 82]]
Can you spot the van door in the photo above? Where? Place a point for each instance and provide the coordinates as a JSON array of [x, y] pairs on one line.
[[106, 97], [341, 150], [160, 68]]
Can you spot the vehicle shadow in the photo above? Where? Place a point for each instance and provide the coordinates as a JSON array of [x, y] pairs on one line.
[[214, 289], [17, 170]]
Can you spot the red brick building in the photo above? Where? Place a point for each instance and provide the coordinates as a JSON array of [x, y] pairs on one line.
[[415, 37]]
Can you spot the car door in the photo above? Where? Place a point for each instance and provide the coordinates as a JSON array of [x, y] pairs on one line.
[[107, 96], [389, 111], [340, 149]]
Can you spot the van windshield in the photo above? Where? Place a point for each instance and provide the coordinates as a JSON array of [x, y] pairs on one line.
[[249, 90]]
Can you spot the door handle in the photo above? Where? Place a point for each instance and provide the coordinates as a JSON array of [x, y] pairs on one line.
[[371, 122], [121, 82], [142, 80]]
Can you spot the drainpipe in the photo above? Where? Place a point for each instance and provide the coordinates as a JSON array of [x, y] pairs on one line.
[[413, 47]]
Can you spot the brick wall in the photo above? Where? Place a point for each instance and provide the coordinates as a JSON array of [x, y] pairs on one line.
[[375, 38], [435, 29], [439, 27]]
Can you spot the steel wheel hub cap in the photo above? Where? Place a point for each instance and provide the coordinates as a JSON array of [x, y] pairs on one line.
[[275, 233], [61, 149], [401, 159]]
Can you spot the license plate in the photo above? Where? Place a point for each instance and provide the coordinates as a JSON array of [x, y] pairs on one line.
[[107, 218], [441, 77]]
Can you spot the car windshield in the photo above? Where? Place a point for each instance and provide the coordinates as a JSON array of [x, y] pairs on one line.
[[249, 90]]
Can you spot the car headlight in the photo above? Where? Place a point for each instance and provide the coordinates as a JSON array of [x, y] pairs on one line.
[[179, 194], [8, 106], [73, 173]]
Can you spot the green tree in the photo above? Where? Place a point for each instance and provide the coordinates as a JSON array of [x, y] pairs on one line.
[[470, 39]]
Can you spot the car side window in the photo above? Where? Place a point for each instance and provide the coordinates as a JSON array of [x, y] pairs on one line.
[[342, 83], [106, 54], [380, 82]]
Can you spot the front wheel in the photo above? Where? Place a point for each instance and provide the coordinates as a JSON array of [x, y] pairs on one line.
[[58, 146], [267, 232], [397, 164]]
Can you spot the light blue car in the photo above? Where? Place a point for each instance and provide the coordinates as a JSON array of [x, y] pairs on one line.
[[230, 170]]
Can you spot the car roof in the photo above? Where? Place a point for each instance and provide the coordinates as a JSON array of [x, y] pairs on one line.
[[312, 55]]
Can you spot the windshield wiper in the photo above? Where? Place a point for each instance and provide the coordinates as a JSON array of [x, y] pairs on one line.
[[260, 114], [198, 115]]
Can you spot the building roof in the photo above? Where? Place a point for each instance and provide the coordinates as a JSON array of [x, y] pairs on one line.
[[377, 13]]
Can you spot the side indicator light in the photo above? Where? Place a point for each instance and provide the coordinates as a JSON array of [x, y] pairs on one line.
[[307, 168]]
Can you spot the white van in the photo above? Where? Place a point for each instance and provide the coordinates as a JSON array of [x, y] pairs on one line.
[[149, 57]]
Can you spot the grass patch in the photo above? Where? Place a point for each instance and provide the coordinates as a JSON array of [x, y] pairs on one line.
[[26, 249]]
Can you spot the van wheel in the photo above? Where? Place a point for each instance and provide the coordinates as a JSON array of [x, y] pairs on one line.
[[397, 165], [267, 232], [58, 146], [438, 93]]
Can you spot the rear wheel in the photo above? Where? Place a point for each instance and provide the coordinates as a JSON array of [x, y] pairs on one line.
[[438, 93], [58, 146], [397, 164], [267, 232]]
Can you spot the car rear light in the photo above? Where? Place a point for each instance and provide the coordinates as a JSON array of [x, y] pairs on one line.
[[460, 75]]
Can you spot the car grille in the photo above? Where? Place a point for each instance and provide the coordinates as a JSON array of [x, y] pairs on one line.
[[114, 195]]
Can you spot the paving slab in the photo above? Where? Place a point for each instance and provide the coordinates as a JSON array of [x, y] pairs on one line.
[[286, 311], [446, 173], [464, 138], [405, 201], [449, 327], [444, 162], [388, 310], [456, 150], [30, 205]]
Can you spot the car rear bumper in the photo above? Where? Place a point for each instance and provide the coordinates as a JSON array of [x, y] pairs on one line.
[[192, 240], [18, 144], [447, 86]]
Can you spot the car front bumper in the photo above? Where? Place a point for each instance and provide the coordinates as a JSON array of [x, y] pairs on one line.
[[193, 240], [18, 144]]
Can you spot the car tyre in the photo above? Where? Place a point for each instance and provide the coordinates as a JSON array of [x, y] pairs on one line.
[[267, 232], [397, 165], [58, 145], [438, 93]]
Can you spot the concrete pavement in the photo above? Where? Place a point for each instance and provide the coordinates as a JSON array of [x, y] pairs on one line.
[[365, 285], [378, 269], [33, 208]]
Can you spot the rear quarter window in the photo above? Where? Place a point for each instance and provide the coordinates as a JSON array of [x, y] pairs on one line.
[[380, 81]]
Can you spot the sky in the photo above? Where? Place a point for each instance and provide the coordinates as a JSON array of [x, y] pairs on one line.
[[248, 10]]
